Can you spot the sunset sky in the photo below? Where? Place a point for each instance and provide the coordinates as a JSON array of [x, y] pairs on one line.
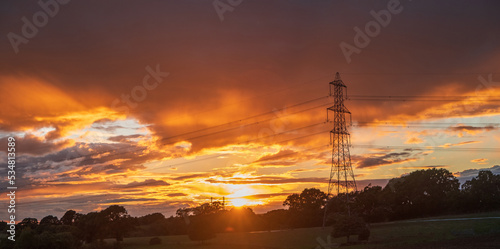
[[158, 105]]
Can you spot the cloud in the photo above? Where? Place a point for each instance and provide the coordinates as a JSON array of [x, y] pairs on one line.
[[301, 170], [33, 145], [145, 183], [177, 195], [124, 138], [289, 157], [471, 130], [469, 173], [480, 161], [269, 180], [287, 153], [192, 176], [425, 167], [414, 140], [377, 160], [448, 145]]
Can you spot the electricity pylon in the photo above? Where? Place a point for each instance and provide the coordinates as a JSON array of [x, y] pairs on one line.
[[341, 175]]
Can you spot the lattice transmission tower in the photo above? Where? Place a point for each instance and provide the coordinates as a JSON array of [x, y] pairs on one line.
[[341, 175]]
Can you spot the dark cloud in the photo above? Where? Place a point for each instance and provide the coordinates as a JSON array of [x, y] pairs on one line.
[[176, 195], [123, 138], [33, 145], [469, 173], [192, 176], [125, 200], [469, 128], [425, 167], [146, 183], [280, 155], [255, 51], [288, 157], [81, 163], [376, 161]]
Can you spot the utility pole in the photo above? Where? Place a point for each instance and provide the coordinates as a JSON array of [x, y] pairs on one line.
[[341, 175]]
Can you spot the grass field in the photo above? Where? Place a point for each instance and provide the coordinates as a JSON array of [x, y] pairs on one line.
[[436, 232]]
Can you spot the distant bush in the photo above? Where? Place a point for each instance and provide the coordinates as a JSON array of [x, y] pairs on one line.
[[345, 226]]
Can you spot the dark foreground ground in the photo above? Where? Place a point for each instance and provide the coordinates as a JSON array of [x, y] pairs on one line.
[[454, 232], [485, 241]]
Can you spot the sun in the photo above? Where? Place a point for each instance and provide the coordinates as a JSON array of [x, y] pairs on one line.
[[240, 202], [242, 196]]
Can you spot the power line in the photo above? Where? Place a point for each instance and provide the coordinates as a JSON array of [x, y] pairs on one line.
[[249, 118], [220, 125], [421, 73], [246, 125], [421, 98], [425, 123], [215, 156], [445, 147]]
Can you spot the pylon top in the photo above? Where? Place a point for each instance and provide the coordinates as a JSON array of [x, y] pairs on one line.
[[337, 76], [337, 81]]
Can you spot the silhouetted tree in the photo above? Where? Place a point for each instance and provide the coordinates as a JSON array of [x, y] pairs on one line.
[[346, 226], [200, 228], [69, 217], [305, 209], [91, 225], [177, 225], [151, 218], [116, 221], [50, 220], [27, 239], [32, 223], [208, 208], [482, 192], [422, 192], [370, 203], [276, 219], [64, 240], [240, 219], [310, 200], [154, 224]]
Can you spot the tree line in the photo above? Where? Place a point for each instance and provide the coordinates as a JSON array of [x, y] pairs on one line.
[[418, 194]]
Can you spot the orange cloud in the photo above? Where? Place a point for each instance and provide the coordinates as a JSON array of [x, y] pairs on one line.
[[378, 160], [414, 140], [480, 161], [448, 145], [471, 130]]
